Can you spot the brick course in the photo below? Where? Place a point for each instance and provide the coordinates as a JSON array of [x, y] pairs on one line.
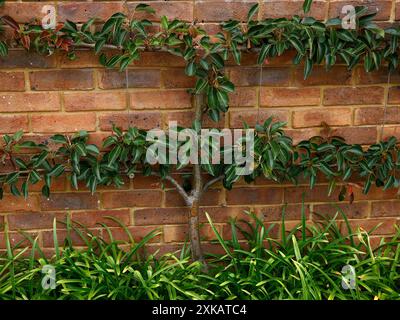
[[45, 95]]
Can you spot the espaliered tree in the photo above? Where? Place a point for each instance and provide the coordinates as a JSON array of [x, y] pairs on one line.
[[120, 41]]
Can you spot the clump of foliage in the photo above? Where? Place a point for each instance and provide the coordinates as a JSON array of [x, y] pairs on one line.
[[305, 264]]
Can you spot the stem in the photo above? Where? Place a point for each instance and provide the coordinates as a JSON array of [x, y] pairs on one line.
[[196, 194]]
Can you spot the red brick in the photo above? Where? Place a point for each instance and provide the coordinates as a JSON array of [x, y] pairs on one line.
[[159, 59], [63, 122], [11, 203], [33, 220], [359, 135], [376, 115], [375, 194], [23, 12], [84, 59], [61, 80], [391, 131], [289, 97], [142, 120], [176, 78], [315, 117], [386, 209], [185, 119], [243, 97], [255, 196], [70, 201], [317, 194], [137, 232], [134, 198], [160, 100], [289, 8], [376, 77], [394, 95], [181, 10], [16, 238], [77, 239], [160, 216], [94, 218], [81, 11], [356, 210], [387, 226], [253, 117], [10, 122], [274, 213], [338, 75], [12, 81], [271, 76], [24, 59], [25, 102], [353, 95], [212, 197], [382, 7], [137, 78], [95, 101], [180, 233], [222, 11]]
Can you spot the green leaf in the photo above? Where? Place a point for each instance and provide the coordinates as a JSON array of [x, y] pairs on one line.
[[145, 8], [164, 23], [253, 10], [307, 5]]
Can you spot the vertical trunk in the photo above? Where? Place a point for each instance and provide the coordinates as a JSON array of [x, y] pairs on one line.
[[194, 226]]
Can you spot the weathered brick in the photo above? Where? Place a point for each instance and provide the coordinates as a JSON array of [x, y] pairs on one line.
[[271, 76], [133, 198], [10, 203], [388, 132], [95, 101], [375, 194], [29, 101], [212, 197], [137, 78], [385, 209], [61, 80], [315, 117], [33, 220], [94, 218], [375, 77], [255, 196], [160, 216], [24, 59], [289, 97], [338, 75], [10, 122], [70, 201], [137, 232], [23, 12], [289, 8], [253, 117], [220, 11], [182, 10], [143, 120], [180, 233], [12, 81], [387, 226], [77, 238], [63, 122], [353, 95], [176, 78], [375, 115], [381, 7], [82, 11], [243, 97], [317, 194], [356, 210], [160, 100], [185, 119], [394, 95], [275, 213]]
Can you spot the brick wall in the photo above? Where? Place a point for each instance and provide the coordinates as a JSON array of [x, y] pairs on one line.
[[45, 95]]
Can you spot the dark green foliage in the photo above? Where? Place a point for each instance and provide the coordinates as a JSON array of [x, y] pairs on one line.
[[314, 41], [305, 264]]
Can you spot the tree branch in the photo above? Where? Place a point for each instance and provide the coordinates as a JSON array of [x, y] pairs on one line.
[[212, 181]]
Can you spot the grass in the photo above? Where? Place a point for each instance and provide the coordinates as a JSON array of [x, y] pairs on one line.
[[305, 264]]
